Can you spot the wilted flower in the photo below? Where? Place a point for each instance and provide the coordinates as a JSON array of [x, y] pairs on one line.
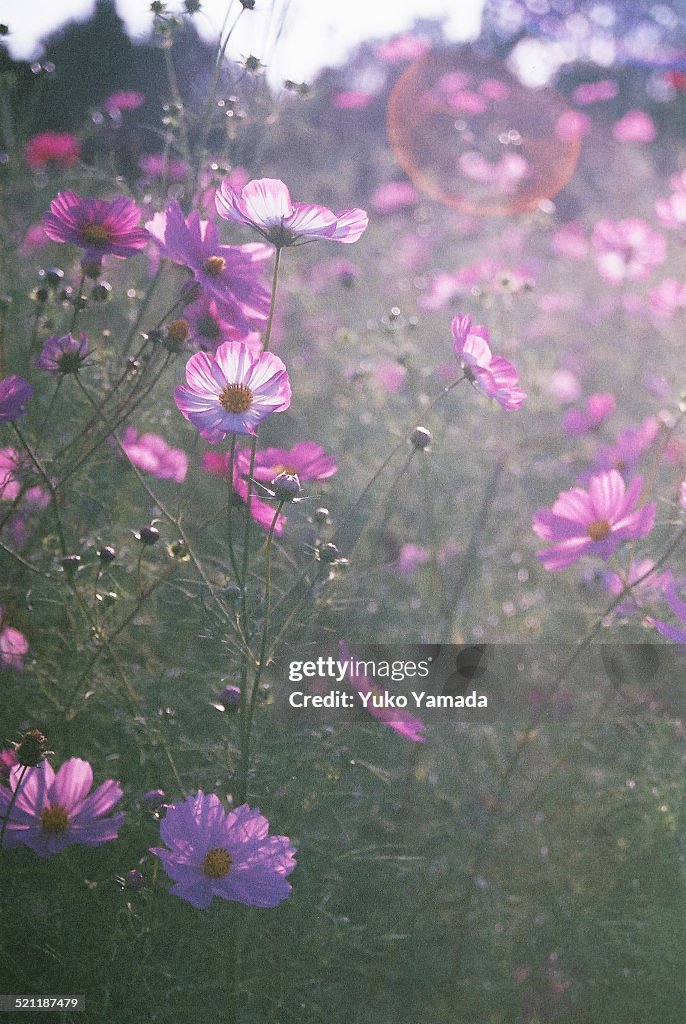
[[53, 811], [593, 522], [100, 226], [212, 853], [265, 204], [232, 391]]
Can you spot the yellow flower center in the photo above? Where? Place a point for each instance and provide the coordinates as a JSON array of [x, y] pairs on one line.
[[217, 863], [215, 265], [291, 470], [96, 234], [598, 529], [236, 398], [54, 820]]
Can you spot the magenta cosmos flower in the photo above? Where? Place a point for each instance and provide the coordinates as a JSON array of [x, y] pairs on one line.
[[63, 355], [212, 853], [53, 811], [61, 148], [266, 205], [493, 375], [593, 522], [402, 722], [306, 460], [232, 391], [101, 227], [153, 455], [13, 645], [14, 394], [229, 274]]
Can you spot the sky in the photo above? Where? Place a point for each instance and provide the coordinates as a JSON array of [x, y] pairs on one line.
[[316, 33]]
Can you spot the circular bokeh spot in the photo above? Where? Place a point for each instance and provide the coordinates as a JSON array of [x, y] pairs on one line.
[[469, 134]]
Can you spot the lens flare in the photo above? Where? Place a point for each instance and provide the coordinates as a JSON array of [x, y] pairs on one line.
[[472, 136]]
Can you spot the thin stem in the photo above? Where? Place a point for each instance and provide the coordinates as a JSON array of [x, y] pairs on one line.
[[229, 511], [15, 794], [77, 301], [272, 304], [246, 730], [48, 483]]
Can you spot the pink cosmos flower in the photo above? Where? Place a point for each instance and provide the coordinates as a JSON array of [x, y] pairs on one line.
[[677, 604], [232, 391], [593, 522], [14, 394], [630, 446], [493, 375], [154, 165], [598, 407], [595, 92], [646, 592], [627, 250], [211, 853], [153, 455], [682, 494], [126, 99], [61, 148], [573, 124], [63, 355], [265, 204], [306, 460], [8, 759], [668, 297], [230, 274], [13, 647], [101, 227], [14, 472], [351, 100], [402, 48], [394, 195], [402, 722], [53, 811], [635, 126], [570, 242]]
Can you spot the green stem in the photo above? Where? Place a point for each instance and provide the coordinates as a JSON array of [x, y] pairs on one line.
[[272, 304], [15, 794]]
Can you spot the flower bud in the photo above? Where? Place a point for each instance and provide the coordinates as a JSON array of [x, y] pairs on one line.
[[70, 564], [133, 879], [286, 486], [328, 553], [147, 535], [230, 697], [107, 554], [153, 799], [420, 438]]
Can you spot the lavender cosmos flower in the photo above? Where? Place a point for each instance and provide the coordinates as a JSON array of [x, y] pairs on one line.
[[230, 274], [306, 460], [151, 453], [678, 606], [14, 394], [593, 522], [266, 205], [231, 391], [13, 645], [647, 586], [402, 722], [495, 376], [53, 811], [63, 355], [209, 329], [101, 227], [598, 407], [212, 853]]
